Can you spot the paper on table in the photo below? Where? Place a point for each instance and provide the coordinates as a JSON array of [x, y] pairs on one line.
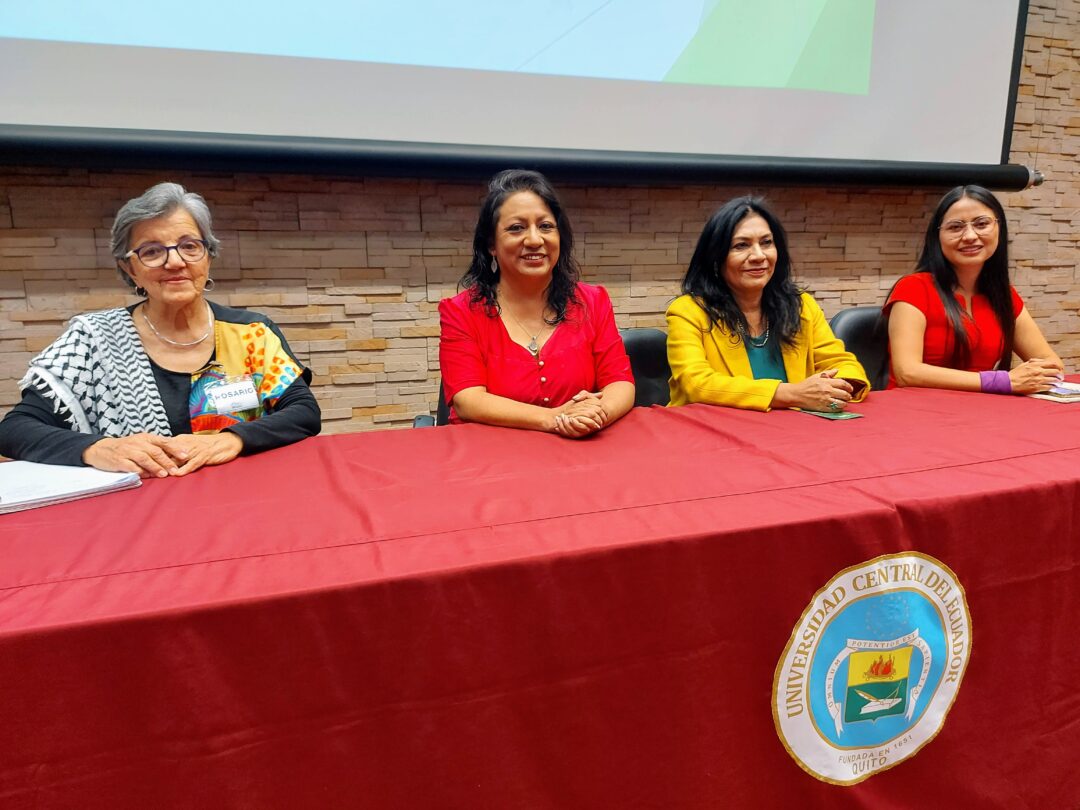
[[26, 485], [1062, 392]]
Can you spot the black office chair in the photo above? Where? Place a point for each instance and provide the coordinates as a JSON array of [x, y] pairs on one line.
[[647, 349], [866, 335], [441, 417]]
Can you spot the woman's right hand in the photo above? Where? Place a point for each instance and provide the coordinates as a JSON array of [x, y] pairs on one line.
[[144, 453], [816, 393], [581, 415], [1034, 376]]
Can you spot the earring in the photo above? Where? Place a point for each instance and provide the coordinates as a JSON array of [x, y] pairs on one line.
[[209, 285], [494, 266], [141, 292]]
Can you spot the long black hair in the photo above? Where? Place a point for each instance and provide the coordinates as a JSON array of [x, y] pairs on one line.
[[781, 303], [993, 281], [481, 276]]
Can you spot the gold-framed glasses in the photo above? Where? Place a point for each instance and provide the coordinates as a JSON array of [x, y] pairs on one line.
[[956, 228], [155, 254]]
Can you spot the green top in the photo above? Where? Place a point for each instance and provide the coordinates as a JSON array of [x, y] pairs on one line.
[[766, 361]]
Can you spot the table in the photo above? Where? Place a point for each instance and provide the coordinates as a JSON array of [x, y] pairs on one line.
[[472, 617]]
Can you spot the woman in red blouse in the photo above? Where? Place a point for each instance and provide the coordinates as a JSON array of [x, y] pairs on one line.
[[956, 321], [525, 344]]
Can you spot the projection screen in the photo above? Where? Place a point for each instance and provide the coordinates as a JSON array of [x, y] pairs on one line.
[[683, 83]]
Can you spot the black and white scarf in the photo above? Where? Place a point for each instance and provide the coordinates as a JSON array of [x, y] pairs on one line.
[[98, 377]]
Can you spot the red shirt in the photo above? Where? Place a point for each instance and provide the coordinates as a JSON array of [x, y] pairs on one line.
[[585, 352], [983, 330]]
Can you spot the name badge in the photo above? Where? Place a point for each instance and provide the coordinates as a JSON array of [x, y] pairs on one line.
[[233, 394]]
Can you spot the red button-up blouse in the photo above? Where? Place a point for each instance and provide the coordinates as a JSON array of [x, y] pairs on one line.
[[585, 352]]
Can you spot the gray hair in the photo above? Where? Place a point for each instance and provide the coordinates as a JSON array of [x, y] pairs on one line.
[[158, 201]]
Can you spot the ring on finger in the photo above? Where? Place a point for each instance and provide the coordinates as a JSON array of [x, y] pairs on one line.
[[835, 405]]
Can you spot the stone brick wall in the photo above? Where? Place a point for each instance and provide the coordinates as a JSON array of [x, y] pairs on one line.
[[353, 268]]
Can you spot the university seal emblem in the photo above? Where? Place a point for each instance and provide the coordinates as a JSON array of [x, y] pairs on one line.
[[873, 667]]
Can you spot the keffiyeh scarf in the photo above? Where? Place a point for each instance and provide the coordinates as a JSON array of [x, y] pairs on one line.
[[98, 377]]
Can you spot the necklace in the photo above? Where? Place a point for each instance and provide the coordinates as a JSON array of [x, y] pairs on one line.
[[763, 340], [533, 347], [760, 341], [170, 341]]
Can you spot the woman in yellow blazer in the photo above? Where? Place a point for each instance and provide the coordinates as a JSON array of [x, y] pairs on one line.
[[743, 335]]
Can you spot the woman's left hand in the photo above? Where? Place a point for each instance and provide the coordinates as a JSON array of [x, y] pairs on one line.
[[581, 415], [574, 427], [820, 392], [193, 451], [1034, 375]]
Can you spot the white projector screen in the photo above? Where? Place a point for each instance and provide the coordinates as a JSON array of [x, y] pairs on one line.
[[866, 80]]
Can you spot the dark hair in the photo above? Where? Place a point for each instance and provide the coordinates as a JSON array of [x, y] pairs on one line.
[[483, 280], [781, 303], [993, 281]]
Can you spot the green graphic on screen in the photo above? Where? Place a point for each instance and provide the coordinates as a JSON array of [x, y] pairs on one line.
[[809, 45], [798, 44]]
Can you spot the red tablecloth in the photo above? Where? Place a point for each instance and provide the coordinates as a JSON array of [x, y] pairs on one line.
[[470, 617]]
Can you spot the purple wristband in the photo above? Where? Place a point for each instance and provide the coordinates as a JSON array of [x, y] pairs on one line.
[[995, 382]]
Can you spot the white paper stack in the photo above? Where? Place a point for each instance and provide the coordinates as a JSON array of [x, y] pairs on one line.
[[26, 485], [1062, 392]]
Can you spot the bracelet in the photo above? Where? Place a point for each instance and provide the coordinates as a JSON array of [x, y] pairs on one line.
[[995, 382]]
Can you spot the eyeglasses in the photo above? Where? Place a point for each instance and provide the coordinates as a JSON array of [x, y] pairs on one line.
[[153, 254], [956, 228]]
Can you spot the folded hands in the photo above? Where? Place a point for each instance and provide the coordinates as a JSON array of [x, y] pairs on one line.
[[154, 456]]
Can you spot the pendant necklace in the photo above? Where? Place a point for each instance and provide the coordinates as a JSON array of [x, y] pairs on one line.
[[533, 347], [181, 344]]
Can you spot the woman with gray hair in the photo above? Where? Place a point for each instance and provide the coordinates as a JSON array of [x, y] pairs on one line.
[[169, 384]]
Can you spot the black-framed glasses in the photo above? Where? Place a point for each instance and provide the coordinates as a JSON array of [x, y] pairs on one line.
[[955, 228], [155, 254]]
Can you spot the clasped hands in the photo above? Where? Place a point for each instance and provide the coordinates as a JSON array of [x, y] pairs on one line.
[[154, 456], [582, 415], [820, 392]]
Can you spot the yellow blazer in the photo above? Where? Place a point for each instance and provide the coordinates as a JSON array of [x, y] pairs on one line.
[[707, 365]]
